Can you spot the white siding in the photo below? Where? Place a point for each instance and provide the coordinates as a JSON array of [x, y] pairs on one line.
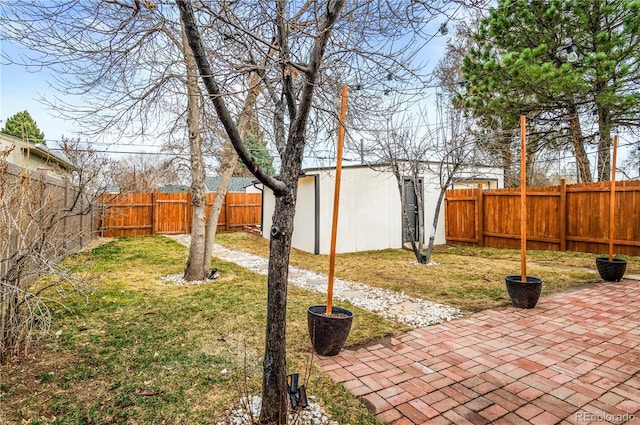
[[370, 214], [304, 220]]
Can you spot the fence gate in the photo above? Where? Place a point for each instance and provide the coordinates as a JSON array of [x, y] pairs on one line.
[[171, 214]]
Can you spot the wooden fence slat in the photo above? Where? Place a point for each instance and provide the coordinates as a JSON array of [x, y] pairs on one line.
[[171, 213], [480, 216], [565, 217]]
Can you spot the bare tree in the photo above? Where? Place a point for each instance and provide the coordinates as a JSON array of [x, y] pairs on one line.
[[123, 73], [142, 173], [412, 149], [400, 149], [41, 220], [455, 156], [274, 404], [197, 264], [315, 46]]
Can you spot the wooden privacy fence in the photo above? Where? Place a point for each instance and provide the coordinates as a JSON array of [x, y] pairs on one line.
[[42, 217], [559, 218], [133, 214]]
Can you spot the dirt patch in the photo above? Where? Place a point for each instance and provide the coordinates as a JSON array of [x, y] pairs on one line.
[[95, 243], [30, 376]]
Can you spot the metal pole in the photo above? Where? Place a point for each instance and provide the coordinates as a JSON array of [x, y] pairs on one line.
[[523, 198], [612, 197], [336, 199]]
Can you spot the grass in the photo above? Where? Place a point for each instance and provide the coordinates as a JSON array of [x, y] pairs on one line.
[[471, 279], [139, 350]]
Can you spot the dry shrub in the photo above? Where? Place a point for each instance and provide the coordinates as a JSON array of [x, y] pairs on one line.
[[41, 220]]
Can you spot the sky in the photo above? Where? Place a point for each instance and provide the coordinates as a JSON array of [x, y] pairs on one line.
[[21, 89]]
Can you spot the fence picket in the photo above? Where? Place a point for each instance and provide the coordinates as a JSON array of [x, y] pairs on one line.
[[170, 213], [565, 217]]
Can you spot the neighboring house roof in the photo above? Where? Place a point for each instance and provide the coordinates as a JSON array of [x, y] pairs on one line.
[[237, 184], [174, 188], [112, 189], [33, 156]]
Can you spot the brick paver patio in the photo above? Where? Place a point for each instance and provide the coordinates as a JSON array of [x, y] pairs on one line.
[[574, 359]]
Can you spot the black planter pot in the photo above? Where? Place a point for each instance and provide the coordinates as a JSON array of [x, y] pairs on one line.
[[524, 294], [328, 332], [611, 271]]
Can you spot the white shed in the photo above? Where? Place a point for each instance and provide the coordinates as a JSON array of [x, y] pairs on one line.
[[370, 214]]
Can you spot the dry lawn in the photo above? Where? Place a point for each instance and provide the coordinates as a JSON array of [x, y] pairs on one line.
[[138, 350], [471, 279]]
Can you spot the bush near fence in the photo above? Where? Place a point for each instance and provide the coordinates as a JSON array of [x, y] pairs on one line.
[[42, 219], [559, 218], [50, 202], [134, 214]]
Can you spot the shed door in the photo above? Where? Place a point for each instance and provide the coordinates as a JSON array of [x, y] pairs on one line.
[[411, 207]]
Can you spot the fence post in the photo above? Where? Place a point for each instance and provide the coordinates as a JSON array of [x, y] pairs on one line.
[[187, 212], [562, 220], [102, 214], [65, 228], [153, 211], [226, 213], [480, 215]]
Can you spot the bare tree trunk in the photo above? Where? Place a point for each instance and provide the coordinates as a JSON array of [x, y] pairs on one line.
[[582, 160], [419, 191], [246, 116], [216, 208], [274, 362], [434, 227], [604, 147], [197, 267]]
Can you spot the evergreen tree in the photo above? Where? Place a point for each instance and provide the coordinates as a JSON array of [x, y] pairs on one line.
[[258, 149], [557, 61], [23, 126]]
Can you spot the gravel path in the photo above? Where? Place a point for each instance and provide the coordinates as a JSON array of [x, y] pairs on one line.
[[394, 306]]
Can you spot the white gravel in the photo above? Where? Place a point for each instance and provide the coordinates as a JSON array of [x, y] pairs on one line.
[[395, 306], [392, 305], [248, 412], [178, 280]]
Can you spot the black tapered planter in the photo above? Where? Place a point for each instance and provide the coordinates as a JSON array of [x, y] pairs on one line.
[[328, 332], [611, 271], [524, 294]]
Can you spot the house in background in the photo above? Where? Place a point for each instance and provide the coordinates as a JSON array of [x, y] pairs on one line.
[[35, 157], [370, 214], [237, 184], [173, 188], [211, 183]]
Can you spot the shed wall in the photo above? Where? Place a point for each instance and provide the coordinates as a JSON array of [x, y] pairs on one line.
[[370, 213]]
